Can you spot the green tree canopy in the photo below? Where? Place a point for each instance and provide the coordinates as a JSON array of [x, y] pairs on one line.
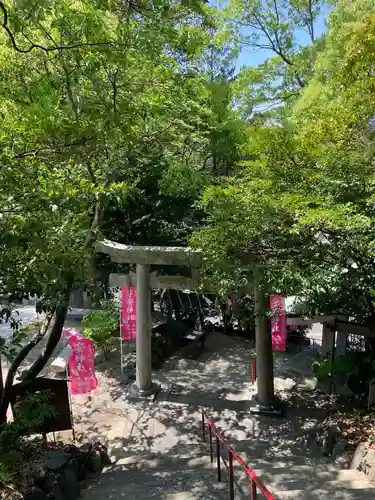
[[303, 211], [94, 97]]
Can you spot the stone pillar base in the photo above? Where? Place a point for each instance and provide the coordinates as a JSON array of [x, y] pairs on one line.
[[151, 393], [272, 410]]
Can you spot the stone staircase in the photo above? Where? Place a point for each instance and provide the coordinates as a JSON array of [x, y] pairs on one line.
[[191, 476], [321, 483], [182, 470], [151, 476], [294, 477], [158, 450]]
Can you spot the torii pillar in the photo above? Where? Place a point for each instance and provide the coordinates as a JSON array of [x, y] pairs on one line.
[[144, 257], [264, 402], [143, 333]]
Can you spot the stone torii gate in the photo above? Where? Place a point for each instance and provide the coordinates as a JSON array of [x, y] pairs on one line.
[[144, 257]]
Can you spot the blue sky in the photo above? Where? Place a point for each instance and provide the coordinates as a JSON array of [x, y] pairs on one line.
[[251, 57]]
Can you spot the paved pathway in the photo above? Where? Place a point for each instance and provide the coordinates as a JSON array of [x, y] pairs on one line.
[[157, 449], [220, 382]]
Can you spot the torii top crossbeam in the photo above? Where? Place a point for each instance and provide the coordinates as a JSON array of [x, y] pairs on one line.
[[147, 255], [144, 257]]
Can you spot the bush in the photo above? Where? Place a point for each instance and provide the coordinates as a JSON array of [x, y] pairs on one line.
[[31, 413], [100, 325], [354, 369]]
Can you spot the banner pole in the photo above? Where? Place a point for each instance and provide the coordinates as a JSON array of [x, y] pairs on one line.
[[121, 346], [65, 342]]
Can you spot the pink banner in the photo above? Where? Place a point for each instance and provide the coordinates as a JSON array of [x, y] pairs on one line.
[[81, 363], [128, 313], [278, 323]]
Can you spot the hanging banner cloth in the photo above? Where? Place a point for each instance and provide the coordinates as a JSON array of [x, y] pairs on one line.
[[128, 313], [81, 363], [278, 323]]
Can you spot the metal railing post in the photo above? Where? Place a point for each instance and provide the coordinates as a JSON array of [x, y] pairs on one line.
[[218, 459], [230, 475], [210, 440], [203, 428], [253, 371], [253, 490], [255, 483]]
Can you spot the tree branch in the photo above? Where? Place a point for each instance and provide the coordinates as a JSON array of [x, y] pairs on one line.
[[275, 47], [140, 220], [57, 149], [53, 339], [275, 99], [69, 90], [310, 24], [33, 46], [21, 356]]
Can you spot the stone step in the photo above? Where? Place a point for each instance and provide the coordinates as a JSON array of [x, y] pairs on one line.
[[187, 474], [143, 482], [155, 468], [193, 484], [311, 483], [158, 461]]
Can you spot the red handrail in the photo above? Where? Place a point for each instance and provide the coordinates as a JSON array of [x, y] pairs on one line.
[[255, 482]]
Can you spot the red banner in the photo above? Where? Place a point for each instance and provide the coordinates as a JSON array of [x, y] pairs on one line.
[[128, 313], [81, 363], [278, 323]]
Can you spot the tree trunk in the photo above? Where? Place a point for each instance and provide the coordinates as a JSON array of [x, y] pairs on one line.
[[1, 384], [53, 339], [226, 319], [227, 313], [21, 356]]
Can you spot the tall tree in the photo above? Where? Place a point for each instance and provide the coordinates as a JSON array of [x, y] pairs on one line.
[[276, 28], [303, 210], [84, 86], [300, 218], [335, 122]]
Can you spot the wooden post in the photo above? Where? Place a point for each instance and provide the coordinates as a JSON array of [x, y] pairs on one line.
[[341, 339], [328, 338]]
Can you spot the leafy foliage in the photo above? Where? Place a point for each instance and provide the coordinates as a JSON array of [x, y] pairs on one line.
[[100, 325], [354, 369], [288, 32], [101, 107], [30, 414], [130, 121], [302, 210]]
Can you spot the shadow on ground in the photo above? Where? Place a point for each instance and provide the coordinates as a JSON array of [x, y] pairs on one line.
[[163, 438]]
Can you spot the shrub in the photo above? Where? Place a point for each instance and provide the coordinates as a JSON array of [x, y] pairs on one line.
[[354, 369], [99, 326], [30, 413]]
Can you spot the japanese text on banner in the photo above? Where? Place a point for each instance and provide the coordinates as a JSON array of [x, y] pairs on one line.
[[128, 313], [81, 364], [278, 323]]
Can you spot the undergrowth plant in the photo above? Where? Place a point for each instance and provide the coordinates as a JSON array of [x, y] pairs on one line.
[[30, 415], [100, 325], [354, 369]]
